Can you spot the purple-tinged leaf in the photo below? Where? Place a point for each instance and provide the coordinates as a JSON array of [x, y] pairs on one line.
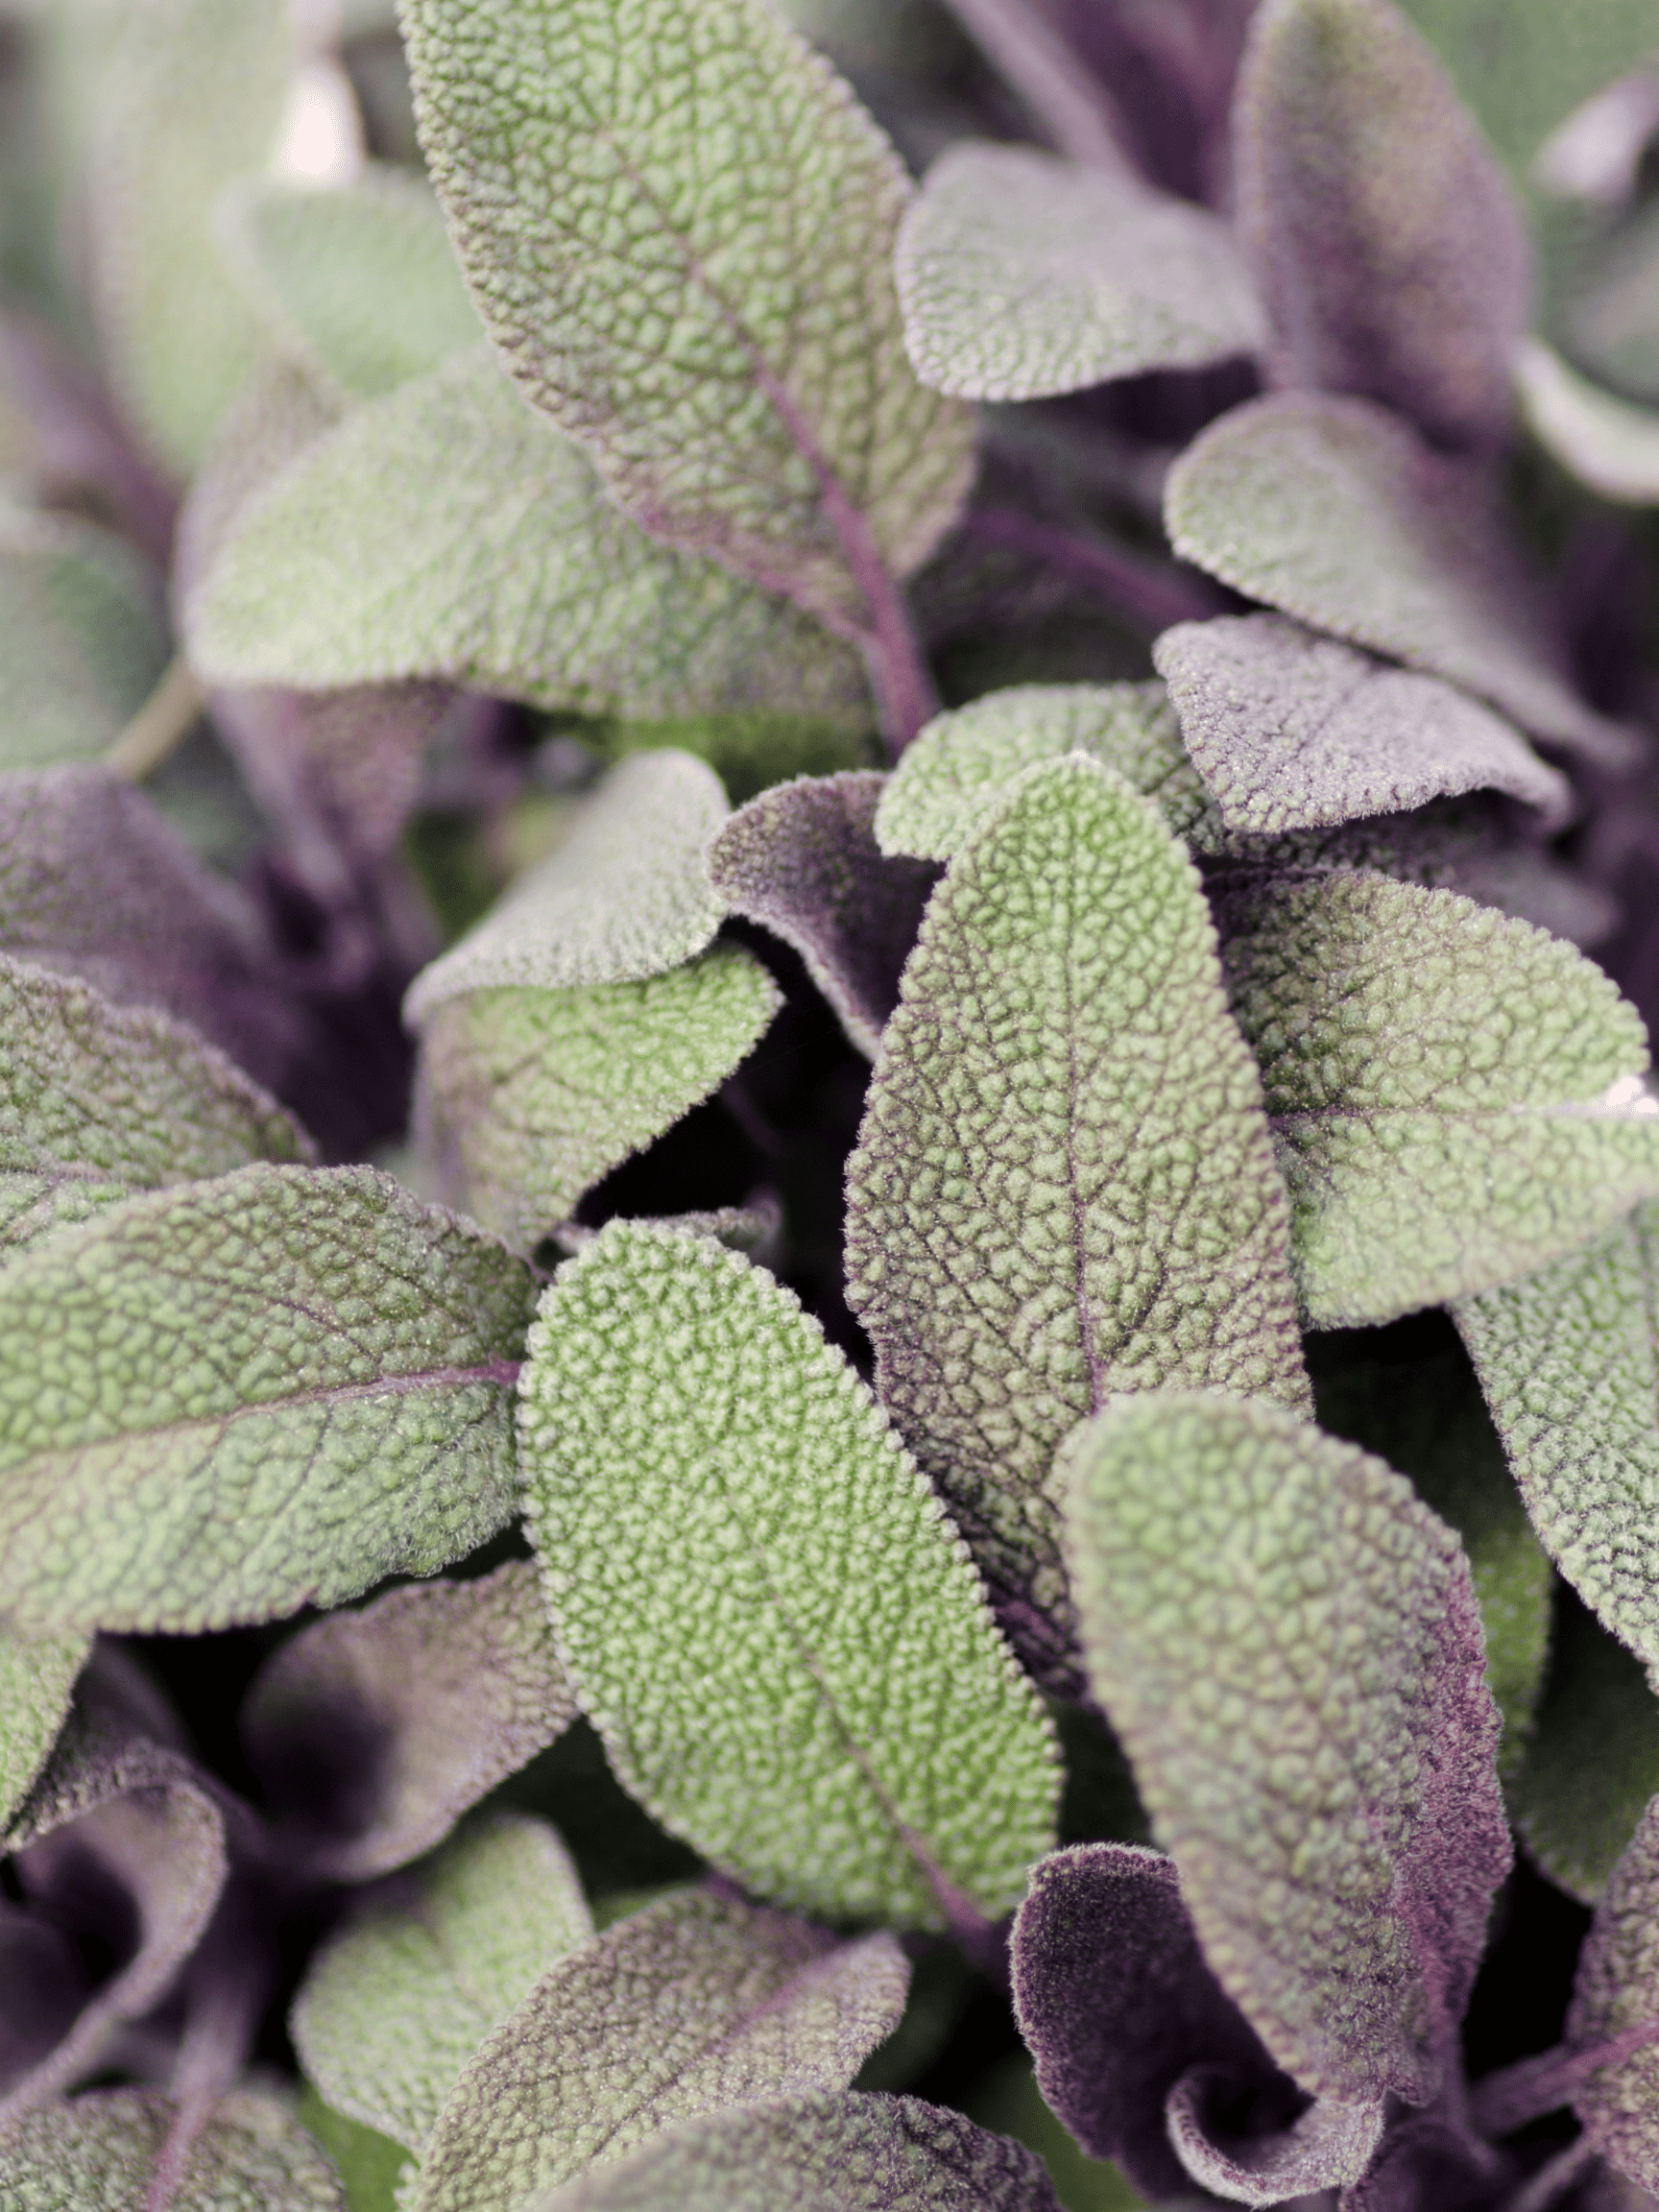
[[1320, 1765], [1427, 2161], [1334, 511], [106, 2150], [803, 859], [372, 1732], [37, 1681], [1329, 2144], [696, 2002], [1609, 442], [1615, 1994], [1293, 731]]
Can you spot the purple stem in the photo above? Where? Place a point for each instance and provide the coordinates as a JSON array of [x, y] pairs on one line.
[[1149, 591], [1516, 2094], [1072, 107], [1551, 2180]]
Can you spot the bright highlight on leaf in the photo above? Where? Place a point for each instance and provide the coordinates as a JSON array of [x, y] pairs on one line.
[[1604, 441]]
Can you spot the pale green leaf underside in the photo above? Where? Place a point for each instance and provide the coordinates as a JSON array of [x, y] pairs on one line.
[[82, 640], [226, 1400], [449, 530], [1022, 275], [529, 1096], [36, 1680], [1455, 1098], [1607, 442], [1617, 1988], [98, 2154], [762, 1604], [678, 225], [624, 895]]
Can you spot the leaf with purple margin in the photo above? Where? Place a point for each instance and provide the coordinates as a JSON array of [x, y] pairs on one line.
[[697, 2003], [106, 2150], [1328, 1793], [1334, 511], [373, 1731], [37, 1682], [1609, 442], [1615, 1991]]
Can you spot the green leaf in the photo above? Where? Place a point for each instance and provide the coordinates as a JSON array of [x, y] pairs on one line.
[[82, 640], [370, 2165], [760, 1602], [1615, 1991], [357, 285], [1335, 512], [528, 1096], [631, 184], [37, 1681], [392, 2010], [448, 530], [1612, 317], [1321, 1767], [229, 1400], [696, 2002], [1064, 1184], [1607, 442], [1022, 275], [103, 2149], [1456, 1098]]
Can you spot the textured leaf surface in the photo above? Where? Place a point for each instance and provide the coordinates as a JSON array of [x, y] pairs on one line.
[[1605, 442], [1456, 1098], [513, 572], [804, 860], [679, 226], [529, 1096], [36, 1680], [1329, 2144], [229, 1400], [1292, 730], [1064, 1184], [1022, 275], [82, 642], [694, 2004], [373, 1731], [1334, 512], [1330, 1797], [99, 2153], [686, 1429], [1617, 1988], [391, 2012]]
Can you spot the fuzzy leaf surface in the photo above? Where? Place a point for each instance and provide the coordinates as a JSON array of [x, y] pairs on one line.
[[693, 2004], [1064, 1184], [1334, 511], [1329, 2145], [37, 1681], [685, 1427], [1292, 730], [237, 1397], [101, 2152], [528, 1096], [1606, 442], [1456, 1098], [82, 640], [1022, 275], [1330, 1795], [679, 226], [1617, 1988]]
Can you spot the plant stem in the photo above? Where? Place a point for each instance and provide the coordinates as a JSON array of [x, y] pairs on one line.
[[1516, 2094], [160, 724], [1073, 110]]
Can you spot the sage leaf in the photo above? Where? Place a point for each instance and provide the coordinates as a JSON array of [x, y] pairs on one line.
[[804, 860], [82, 640], [1329, 2143], [1064, 1184], [233, 1398], [370, 2165], [105, 2150], [392, 2010], [685, 1427], [629, 188], [696, 2004], [37, 1681], [1334, 511], [1328, 1795], [1456, 1098], [1022, 275], [1292, 730], [373, 1731], [1617, 1990], [1606, 442], [1610, 321]]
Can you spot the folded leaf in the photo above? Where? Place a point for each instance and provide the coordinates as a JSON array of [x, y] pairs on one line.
[[1333, 511], [694, 2004], [1428, 2160], [804, 860], [1022, 275], [1329, 2143], [1321, 1765], [1064, 1184], [1616, 1989], [82, 641], [1456, 1098], [1292, 730], [372, 1732], [759, 1601], [630, 188], [392, 2010], [37, 1681], [227, 1400], [1605, 442], [103, 2149]]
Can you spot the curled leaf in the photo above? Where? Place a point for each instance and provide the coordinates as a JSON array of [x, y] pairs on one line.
[[1606, 442], [1329, 2143], [1617, 1990], [106, 2148]]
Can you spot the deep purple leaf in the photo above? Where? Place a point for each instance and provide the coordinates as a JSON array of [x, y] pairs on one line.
[[1427, 2163]]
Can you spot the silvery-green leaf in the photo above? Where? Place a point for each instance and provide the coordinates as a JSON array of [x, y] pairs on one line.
[[1022, 275], [82, 640], [36, 1680], [373, 1731], [449, 530], [631, 188], [394, 2006], [1617, 1990], [528, 1096], [229, 1398], [1607, 442], [1334, 511], [1612, 317], [759, 1601], [624, 895], [1321, 1766], [357, 284], [1063, 1186], [696, 2004], [1384, 235], [278, 412], [102, 2151], [1456, 1098], [1292, 730]]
